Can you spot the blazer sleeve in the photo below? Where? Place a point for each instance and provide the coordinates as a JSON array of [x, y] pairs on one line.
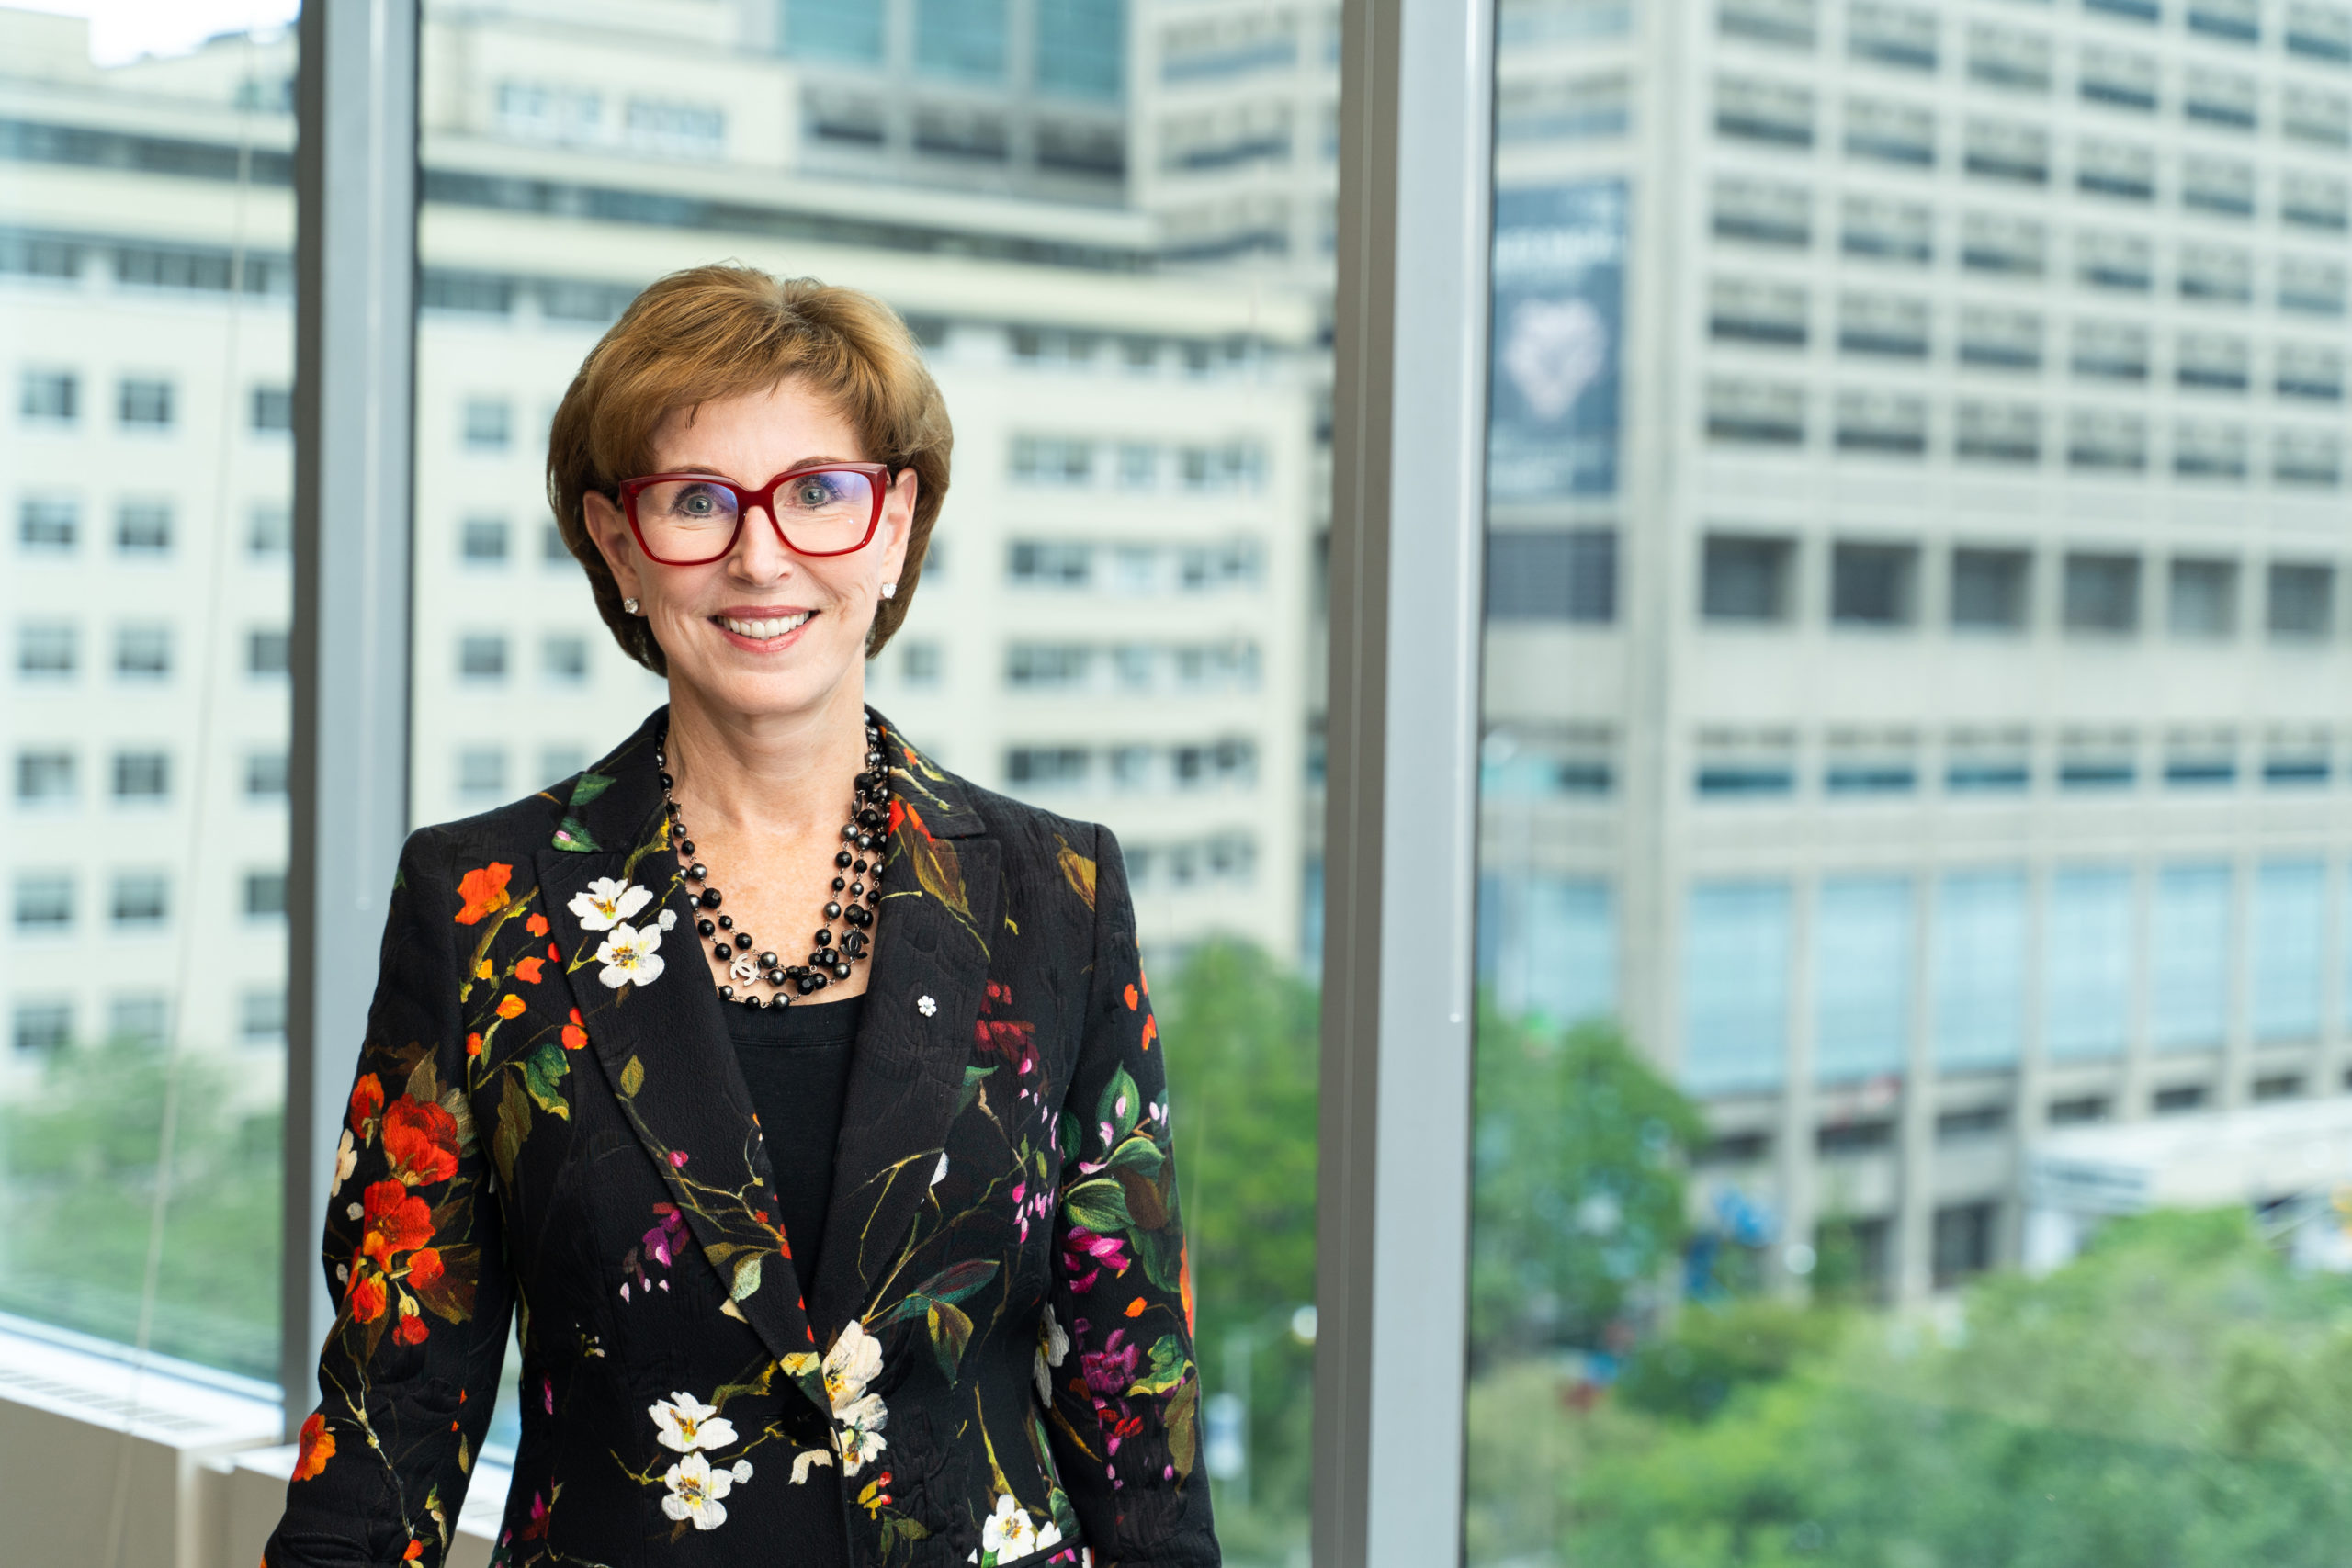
[[1125, 1416], [414, 1261]]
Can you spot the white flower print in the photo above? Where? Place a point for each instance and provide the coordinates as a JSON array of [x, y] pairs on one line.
[[695, 1492], [1007, 1533], [1053, 1345], [806, 1457], [741, 1469], [855, 1360], [688, 1424], [1049, 1536], [861, 1432], [628, 955], [608, 903], [347, 1159], [925, 1005], [669, 921], [940, 1173]]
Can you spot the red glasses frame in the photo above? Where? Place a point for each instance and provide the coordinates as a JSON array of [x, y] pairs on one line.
[[877, 477]]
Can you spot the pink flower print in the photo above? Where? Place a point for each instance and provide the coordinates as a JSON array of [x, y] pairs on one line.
[[1112, 1370], [668, 1235], [677, 1159], [546, 1387], [1085, 1254]]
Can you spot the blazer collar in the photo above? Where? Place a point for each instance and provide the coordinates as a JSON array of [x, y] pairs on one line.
[[665, 1046]]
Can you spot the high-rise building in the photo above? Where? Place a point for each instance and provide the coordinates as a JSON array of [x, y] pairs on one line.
[[1918, 640], [1105, 625]]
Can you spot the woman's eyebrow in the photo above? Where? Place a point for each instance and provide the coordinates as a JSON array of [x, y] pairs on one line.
[[723, 474]]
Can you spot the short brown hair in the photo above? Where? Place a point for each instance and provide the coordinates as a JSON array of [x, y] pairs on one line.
[[717, 331]]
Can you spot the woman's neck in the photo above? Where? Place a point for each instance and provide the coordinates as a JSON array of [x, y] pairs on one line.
[[769, 773]]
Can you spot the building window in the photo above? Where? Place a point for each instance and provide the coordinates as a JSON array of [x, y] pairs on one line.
[[265, 653], [2102, 593], [2008, 58], [1979, 968], [2226, 185], [1763, 212], [1890, 423], [141, 404], [45, 778], [142, 653], [1989, 589], [2003, 245], [2224, 98], [46, 650], [48, 525], [2123, 169], [139, 1018], [1875, 229], [1043, 461], [1891, 326], [269, 532], [553, 551], [2310, 371], [559, 762], [2220, 274], [2204, 601], [2308, 201], [1900, 36], [141, 900], [2000, 340], [1746, 579], [1734, 987], [2106, 260], [2318, 31], [2115, 443], [2302, 602], [2317, 114], [266, 776], [1776, 113], [143, 775], [1963, 1233], [1034, 564], [1997, 432], [264, 894], [1788, 24], [48, 396], [1988, 763], [963, 40], [1045, 766], [481, 541], [1874, 585], [2307, 458], [1890, 132], [2287, 950], [2188, 957], [261, 1017], [481, 655], [1768, 414], [2004, 150], [1563, 574], [2086, 1003], [44, 1025], [482, 773], [143, 528], [44, 902], [921, 663], [2201, 449], [1739, 310], [564, 657], [2239, 21], [1861, 977], [488, 424], [2110, 351], [272, 411]]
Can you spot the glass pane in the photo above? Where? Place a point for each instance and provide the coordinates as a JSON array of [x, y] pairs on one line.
[[1108, 229], [1913, 948], [146, 330]]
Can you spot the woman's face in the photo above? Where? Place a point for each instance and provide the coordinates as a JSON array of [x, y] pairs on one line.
[[761, 630]]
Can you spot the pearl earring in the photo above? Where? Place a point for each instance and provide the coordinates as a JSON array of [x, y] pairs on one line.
[[889, 591], [630, 605]]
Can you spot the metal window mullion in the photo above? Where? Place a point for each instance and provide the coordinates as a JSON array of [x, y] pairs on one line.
[[1408, 451], [355, 260]]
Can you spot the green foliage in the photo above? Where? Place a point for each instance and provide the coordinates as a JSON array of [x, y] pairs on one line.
[[2175, 1398], [1578, 1200], [1717, 1347], [1241, 1043], [78, 1162]]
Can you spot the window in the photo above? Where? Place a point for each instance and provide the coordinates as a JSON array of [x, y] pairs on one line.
[[2320, 31], [1997, 432], [1038, 460], [139, 1018], [2086, 1006], [2188, 957], [1963, 1233], [269, 532], [2310, 371], [488, 424], [1767, 413], [48, 525], [920, 664], [2315, 114], [2195, 758], [2222, 185], [2116, 443], [1870, 763], [564, 657], [1787, 24], [1035, 564], [1890, 132], [142, 651], [553, 551], [1978, 968], [2122, 79], [48, 396], [1567, 574], [1877, 228], [2238, 21], [2000, 339], [143, 528], [1861, 977], [2302, 602], [2206, 450], [2003, 150], [2110, 351], [261, 1017], [141, 900], [2105, 259], [1894, 326], [143, 404], [1746, 764], [961, 41], [482, 773], [2178, 1099], [265, 653], [2225, 98], [481, 541], [1874, 585], [44, 902], [1891, 35], [266, 776], [1752, 109], [1734, 987], [45, 778], [43, 1025], [481, 655], [46, 649], [2131, 10], [1746, 579], [2078, 1110], [271, 412], [264, 894], [2295, 758], [2008, 58], [2311, 286], [143, 775], [2204, 599], [2102, 593], [2287, 949], [559, 761], [2104, 166], [2309, 458], [2212, 361], [1988, 763], [1045, 766], [1989, 588], [1743, 312], [2308, 201], [2216, 273]]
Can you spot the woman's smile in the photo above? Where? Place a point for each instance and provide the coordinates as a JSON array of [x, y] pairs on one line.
[[760, 629]]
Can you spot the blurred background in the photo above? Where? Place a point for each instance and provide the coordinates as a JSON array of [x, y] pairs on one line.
[[1912, 1104]]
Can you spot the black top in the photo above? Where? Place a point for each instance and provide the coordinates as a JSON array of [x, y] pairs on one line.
[[795, 1063]]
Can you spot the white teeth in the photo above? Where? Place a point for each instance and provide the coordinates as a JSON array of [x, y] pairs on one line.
[[759, 631]]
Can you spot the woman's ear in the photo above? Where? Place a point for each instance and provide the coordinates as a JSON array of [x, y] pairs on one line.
[[608, 531], [899, 518]]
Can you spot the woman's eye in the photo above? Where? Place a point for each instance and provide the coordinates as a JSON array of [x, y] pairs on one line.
[[814, 493]]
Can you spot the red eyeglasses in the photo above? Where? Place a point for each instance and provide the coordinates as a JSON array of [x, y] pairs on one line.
[[825, 508]]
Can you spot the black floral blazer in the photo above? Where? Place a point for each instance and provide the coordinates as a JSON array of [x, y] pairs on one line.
[[995, 1356]]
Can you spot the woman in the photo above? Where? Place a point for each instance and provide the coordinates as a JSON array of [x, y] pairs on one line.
[[800, 1099]]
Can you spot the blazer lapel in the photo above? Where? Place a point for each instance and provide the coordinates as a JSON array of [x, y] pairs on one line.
[[941, 910], [662, 1038]]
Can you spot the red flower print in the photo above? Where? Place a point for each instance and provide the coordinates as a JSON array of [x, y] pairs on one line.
[[484, 891], [421, 1140], [473, 1044], [898, 815], [575, 1037], [529, 968], [424, 1267], [555, 954], [411, 1327], [1131, 999], [318, 1446], [510, 1006], [397, 1222], [367, 1298], [416, 1552], [536, 925], [1150, 1032], [367, 1098]]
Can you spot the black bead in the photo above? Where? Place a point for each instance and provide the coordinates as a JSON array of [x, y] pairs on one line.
[[841, 859], [819, 959], [767, 960], [833, 912], [743, 942], [869, 818], [755, 1000], [722, 953], [857, 865], [708, 898], [837, 885], [667, 781], [841, 970], [697, 873], [824, 937], [685, 846], [863, 783], [849, 830], [704, 927], [726, 922], [725, 993], [865, 840], [816, 981], [776, 976], [857, 890], [807, 983]]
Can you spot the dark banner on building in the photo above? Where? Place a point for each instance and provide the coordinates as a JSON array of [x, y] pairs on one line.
[[1559, 271]]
